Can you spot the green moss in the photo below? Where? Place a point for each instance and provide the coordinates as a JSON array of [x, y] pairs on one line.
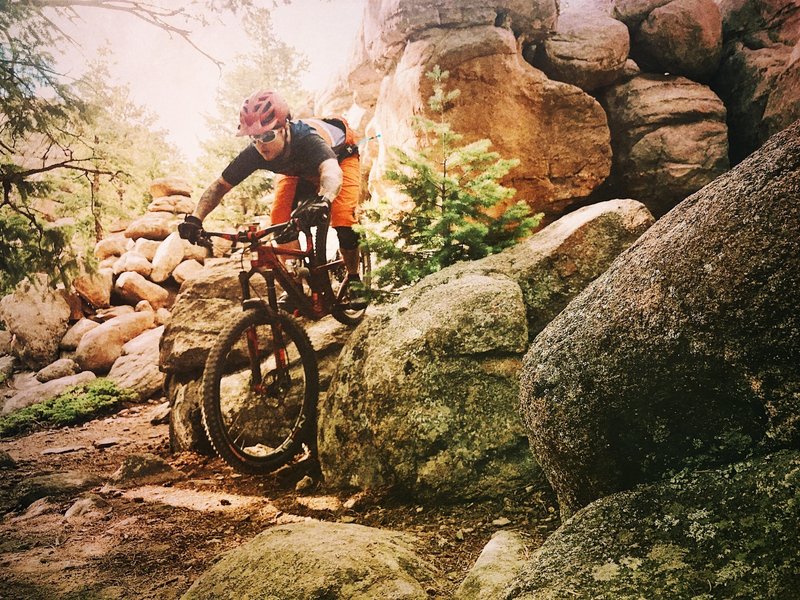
[[74, 405]]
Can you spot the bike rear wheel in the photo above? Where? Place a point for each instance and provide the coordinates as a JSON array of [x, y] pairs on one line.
[[345, 312], [260, 391]]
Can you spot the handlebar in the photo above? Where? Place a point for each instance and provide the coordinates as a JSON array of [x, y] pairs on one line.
[[246, 235], [251, 236]]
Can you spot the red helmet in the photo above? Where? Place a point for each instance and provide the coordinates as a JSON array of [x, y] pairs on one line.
[[262, 111]]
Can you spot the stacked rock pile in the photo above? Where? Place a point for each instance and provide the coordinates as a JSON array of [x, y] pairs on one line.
[[111, 321]]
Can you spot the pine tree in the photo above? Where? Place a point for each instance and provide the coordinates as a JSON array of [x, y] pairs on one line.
[[457, 208]]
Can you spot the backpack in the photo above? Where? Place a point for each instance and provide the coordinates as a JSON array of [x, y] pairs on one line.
[[349, 147]]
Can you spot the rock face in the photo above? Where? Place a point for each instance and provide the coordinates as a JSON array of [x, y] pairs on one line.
[[683, 37], [759, 75], [588, 49], [390, 24], [697, 323], [434, 376], [564, 147], [669, 138], [318, 560], [37, 316], [746, 50], [730, 533]]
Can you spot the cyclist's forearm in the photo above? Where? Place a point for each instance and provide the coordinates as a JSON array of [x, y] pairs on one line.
[[330, 179], [211, 198]]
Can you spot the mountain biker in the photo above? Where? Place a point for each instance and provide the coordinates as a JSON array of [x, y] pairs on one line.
[[312, 157]]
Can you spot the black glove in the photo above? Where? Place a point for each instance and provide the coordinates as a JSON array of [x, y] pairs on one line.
[[190, 229], [317, 212]]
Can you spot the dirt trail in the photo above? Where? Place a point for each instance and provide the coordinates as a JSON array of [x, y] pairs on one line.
[[153, 540]]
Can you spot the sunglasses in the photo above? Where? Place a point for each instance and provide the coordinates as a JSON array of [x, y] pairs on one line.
[[266, 137]]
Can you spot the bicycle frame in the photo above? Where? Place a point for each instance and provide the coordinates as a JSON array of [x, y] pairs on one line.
[[266, 261]]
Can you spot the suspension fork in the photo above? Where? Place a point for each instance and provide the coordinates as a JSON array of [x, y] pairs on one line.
[[279, 344]]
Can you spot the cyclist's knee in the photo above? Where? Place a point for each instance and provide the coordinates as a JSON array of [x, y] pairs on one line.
[[348, 238]]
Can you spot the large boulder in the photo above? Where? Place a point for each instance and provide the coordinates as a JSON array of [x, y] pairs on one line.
[[133, 262], [63, 367], [152, 226], [137, 368], [588, 49], [202, 308], [434, 376], [761, 22], [74, 334], [687, 350], [100, 347], [633, 12], [146, 248], [669, 138], [564, 148], [133, 287], [175, 204], [170, 186], [783, 105], [110, 246], [186, 270], [683, 37], [37, 316], [314, 559], [168, 256], [499, 564], [95, 288], [728, 533], [389, 25]]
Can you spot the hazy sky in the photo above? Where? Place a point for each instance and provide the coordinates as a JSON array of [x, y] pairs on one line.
[[178, 83]]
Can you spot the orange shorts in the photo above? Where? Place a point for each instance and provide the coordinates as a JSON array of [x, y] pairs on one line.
[[343, 208]]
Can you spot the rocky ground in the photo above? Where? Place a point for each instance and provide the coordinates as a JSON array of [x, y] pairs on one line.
[[76, 525]]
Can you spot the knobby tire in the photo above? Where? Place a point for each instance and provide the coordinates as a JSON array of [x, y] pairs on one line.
[[259, 426], [346, 316]]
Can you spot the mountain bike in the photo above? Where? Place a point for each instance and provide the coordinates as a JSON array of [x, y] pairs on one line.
[[261, 379]]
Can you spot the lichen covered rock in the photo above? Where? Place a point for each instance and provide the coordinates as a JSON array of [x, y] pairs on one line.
[[687, 350], [433, 377], [728, 533], [314, 559]]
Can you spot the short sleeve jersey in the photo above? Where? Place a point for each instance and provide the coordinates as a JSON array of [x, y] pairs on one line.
[[301, 158]]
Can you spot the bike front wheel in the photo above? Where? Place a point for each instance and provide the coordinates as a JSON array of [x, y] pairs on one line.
[[260, 391]]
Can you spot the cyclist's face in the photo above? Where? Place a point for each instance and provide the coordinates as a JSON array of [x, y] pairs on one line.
[[270, 148]]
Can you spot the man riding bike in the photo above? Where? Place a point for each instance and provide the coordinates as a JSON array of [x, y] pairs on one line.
[[312, 157]]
